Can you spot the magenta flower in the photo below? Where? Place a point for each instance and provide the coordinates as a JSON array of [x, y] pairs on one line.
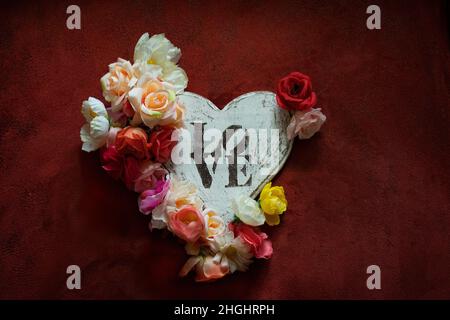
[[151, 198]]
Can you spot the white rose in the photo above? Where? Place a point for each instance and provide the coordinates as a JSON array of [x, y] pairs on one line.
[[248, 211], [94, 132], [158, 56], [305, 124], [231, 252]]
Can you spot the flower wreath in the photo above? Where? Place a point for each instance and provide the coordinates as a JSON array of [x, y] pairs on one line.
[[134, 135]]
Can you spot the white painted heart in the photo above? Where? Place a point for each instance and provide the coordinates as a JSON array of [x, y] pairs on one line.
[[230, 163]]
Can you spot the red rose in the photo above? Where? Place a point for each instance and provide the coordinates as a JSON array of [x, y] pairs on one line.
[[161, 144], [126, 168], [260, 246], [128, 110], [131, 171], [294, 92], [132, 141], [112, 162]]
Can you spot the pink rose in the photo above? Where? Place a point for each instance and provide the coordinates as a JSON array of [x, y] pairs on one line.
[[305, 124], [187, 223], [257, 241], [151, 173], [151, 198]]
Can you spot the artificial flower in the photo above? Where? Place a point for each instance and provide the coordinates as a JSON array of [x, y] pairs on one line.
[[112, 134], [126, 168], [305, 124], [248, 211], [214, 224], [131, 171], [132, 141], [151, 173], [258, 241], [118, 82], [94, 132], [117, 118], [294, 92], [151, 198], [112, 162], [187, 223], [207, 268], [161, 144], [154, 103], [273, 202], [159, 56], [231, 251], [153, 184], [181, 193], [128, 110]]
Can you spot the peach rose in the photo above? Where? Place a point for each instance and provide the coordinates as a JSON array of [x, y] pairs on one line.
[[154, 103], [187, 223], [118, 82], [214, 224], [208, 268], [132, 141]]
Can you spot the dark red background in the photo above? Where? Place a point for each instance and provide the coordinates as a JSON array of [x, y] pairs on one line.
[[372, 188]]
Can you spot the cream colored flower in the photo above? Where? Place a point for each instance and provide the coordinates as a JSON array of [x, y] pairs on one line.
[[248, 211], [159, 56], [116, 84], [214, 224], [207, 268], [225, 254], [94, 132], [231, 252], [180, 194], [154, 103], [305, 124]]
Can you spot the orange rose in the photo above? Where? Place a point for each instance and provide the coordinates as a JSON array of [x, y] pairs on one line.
[[132, 141]]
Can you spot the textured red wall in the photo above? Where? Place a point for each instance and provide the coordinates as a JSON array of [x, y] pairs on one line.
[[372, 188]]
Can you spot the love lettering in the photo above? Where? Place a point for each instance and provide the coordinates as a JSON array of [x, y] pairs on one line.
[[234, 148]]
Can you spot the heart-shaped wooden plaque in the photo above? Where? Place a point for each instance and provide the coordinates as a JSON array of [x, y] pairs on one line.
[[233, 151]]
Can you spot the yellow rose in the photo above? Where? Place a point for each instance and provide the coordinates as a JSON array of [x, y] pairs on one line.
[[273, 203]]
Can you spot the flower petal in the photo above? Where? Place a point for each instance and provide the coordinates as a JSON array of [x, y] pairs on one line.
[[92, 108], [178, 78], [272, 219], [99, 128]]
